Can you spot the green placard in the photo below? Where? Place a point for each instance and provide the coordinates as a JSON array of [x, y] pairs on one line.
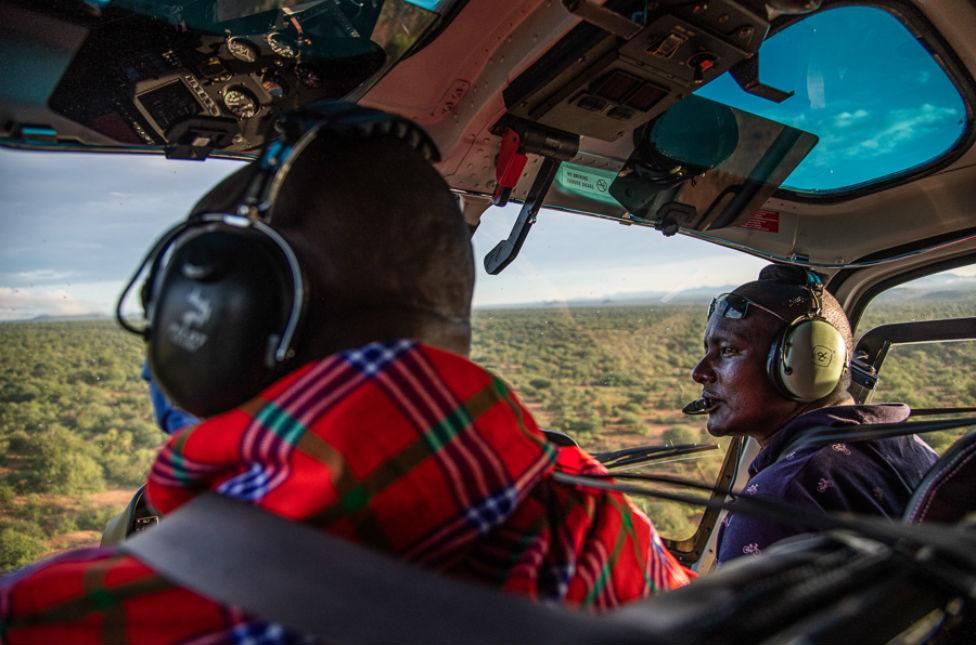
[[591, 183]]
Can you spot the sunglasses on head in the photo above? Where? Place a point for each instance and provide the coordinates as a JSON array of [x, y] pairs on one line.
[[732, 305]]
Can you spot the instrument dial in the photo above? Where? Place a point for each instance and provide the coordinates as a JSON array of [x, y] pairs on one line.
[[241, 103], [242, 49], [282, 45]]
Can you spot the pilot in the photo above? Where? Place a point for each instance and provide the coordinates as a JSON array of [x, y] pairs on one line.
[[375, 428], [775, 366]]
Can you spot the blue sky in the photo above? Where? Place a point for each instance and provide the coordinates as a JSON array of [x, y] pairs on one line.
[[75, 226]]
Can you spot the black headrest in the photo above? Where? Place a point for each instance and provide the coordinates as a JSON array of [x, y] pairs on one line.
[[948, 491]]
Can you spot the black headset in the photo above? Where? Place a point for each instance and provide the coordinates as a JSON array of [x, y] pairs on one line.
[[808, 358], [225, 295]]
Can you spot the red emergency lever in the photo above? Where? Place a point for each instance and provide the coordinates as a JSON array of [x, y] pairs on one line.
[[509, 166]]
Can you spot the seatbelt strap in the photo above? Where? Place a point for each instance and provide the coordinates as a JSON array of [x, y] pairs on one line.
[[341, 592], [826, 435]]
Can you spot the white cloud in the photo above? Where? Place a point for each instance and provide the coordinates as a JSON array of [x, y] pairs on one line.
[[82, 298], [569, 257], [846, 119], [18, 304], [964, 272], [858, 144], [902, 127], [41, 275]]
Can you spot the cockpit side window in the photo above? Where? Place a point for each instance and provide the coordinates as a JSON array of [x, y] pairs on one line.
[[927, 375]]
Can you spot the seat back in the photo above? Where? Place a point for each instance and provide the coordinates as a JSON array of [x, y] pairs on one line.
[[948, 491]]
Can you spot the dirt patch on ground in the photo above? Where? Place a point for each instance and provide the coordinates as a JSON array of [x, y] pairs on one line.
[[73, 540], [119, 497], [55, 513], [114, 498]]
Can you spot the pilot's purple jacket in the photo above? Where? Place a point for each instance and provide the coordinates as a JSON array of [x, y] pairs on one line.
[[872, 477]]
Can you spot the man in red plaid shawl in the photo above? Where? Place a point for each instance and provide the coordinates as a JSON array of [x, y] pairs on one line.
[[385, 434]]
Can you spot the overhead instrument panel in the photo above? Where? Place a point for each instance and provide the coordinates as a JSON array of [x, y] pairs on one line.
[[195, 76]]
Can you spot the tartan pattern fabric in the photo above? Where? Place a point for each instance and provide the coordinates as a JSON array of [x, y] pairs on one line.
[[400, 446]]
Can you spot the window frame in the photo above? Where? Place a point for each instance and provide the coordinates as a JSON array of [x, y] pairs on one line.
[[689, 551], [858, 308]]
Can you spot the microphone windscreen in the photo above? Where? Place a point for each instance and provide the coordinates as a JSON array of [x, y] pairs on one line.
[[698, 406]]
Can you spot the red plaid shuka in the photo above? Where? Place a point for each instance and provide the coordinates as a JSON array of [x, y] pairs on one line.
[[400, 446]]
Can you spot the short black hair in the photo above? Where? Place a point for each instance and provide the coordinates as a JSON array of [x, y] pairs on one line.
[[381, 239], [379, 222]]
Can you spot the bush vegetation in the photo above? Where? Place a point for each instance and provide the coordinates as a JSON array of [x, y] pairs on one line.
[[76, 422]]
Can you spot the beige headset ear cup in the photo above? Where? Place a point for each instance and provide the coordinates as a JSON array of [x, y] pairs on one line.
[[808, 359]]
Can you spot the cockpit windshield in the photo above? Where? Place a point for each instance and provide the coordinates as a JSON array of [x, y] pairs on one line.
[[597, 326]]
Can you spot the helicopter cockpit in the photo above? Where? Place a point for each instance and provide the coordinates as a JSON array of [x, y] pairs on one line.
[[618, 163]]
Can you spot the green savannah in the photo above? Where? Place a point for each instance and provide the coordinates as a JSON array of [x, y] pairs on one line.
[[77, 435]]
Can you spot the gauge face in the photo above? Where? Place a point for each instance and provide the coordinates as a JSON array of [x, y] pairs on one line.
[[240, 102], [282, 45], [308, 76], [242, 49]]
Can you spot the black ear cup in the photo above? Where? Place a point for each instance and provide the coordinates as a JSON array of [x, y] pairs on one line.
[[807, 360], [217, 311]]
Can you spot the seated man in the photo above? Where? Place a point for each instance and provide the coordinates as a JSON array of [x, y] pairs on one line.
[[377, 430], [759, 381]]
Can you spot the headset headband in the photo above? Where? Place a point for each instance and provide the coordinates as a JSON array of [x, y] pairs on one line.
[[815, 286], [225, 294], [296, 131]]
